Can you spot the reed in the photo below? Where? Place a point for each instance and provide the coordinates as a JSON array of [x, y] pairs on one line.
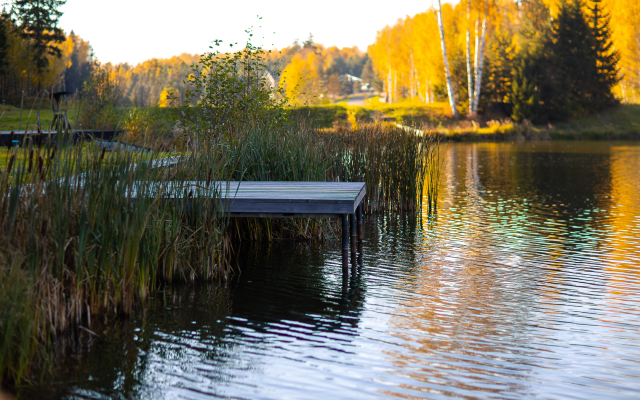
[[77, 247], [393, 161], [400, 168]]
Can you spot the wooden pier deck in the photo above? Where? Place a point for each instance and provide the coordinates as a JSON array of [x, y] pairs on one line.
[[280, 200]]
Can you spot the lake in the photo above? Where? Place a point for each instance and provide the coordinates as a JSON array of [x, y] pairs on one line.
[[526, 284]]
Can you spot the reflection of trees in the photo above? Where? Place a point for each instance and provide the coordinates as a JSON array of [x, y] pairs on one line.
[[470, 295], [468, 322], [621, 243]]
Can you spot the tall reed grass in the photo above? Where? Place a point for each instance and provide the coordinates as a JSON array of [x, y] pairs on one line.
[[399, 167], [77, 245]]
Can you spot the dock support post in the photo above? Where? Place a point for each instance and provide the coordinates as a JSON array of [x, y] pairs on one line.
[[345, 244], [352, 231], [360, 230]]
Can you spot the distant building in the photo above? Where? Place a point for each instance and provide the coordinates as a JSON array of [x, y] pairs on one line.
[[349, 78]]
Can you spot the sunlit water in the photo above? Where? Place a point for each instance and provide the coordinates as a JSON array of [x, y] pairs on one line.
[[525, 285]]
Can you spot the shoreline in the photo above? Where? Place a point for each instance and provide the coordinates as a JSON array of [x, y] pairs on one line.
[[515, 136]]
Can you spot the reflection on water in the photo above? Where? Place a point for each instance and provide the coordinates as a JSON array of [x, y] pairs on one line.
[[526, 284]]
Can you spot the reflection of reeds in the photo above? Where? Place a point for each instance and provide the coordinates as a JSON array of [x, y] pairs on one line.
[[77, 246]]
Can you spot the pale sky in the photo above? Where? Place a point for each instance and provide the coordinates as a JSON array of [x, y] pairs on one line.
[[136, 30]]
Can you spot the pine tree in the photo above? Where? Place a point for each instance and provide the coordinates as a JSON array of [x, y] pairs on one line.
[[606, 59], [499, 69], [573, 47], [523, 96], [4, 42], [4, 51], [38, 21], [563, 70]]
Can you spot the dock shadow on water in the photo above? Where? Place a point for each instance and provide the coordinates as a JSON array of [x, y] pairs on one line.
[[524, 285]]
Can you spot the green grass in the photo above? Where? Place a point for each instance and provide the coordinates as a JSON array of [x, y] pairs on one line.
[[621, 122], [11, 120]]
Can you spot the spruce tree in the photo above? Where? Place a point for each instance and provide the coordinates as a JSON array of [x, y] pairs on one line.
[[499, 68], [564, 70], [523, 96], [573, 46], [4, 51], [38, 22], [4, 42], [606, 59]]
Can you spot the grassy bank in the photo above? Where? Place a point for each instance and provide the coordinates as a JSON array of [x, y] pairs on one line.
[[621, 122], [144, 125], [11, 118], [76, 251]]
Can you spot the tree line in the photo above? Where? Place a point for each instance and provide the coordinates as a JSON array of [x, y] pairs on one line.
[[536, 59], [36, 55]]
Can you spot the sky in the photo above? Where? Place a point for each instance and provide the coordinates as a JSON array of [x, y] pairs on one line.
[[136, 30]]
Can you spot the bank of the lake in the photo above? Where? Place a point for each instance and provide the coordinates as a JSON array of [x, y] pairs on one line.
[[619, 123]]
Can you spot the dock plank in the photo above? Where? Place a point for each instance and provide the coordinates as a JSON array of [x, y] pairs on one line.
[[267, 198]]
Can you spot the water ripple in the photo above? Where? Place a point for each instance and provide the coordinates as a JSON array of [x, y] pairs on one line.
[[525, 285]]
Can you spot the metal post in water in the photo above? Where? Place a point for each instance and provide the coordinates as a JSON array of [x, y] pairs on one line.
[[345, 244], [352, 231], [360, 230]]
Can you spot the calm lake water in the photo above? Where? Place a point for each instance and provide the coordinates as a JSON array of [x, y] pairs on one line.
[[525, 285]]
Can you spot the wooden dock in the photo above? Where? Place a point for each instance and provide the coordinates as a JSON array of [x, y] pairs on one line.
[[280, 200]]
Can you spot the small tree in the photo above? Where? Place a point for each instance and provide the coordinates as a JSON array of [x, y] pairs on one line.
[[100, 97], [523, 96], [229, 92]]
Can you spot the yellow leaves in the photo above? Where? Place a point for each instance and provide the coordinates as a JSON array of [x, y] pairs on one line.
[[300, 80], [407, 56], [165, 101], [625, 35]]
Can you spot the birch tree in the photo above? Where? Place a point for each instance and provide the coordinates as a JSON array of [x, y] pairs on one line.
[[452, 100], [469, 71], [479, 62]]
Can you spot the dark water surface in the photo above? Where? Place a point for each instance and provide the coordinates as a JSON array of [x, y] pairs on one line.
[[525, 285]]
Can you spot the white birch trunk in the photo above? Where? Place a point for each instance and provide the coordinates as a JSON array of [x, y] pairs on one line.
[[432, 98], [476, 61], [452, 100], [395, 85], [469, 71], [479, 69], [389, 86], [427, 99]]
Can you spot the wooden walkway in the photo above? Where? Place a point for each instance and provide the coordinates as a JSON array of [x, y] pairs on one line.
[[7, 136], [281, 200]]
